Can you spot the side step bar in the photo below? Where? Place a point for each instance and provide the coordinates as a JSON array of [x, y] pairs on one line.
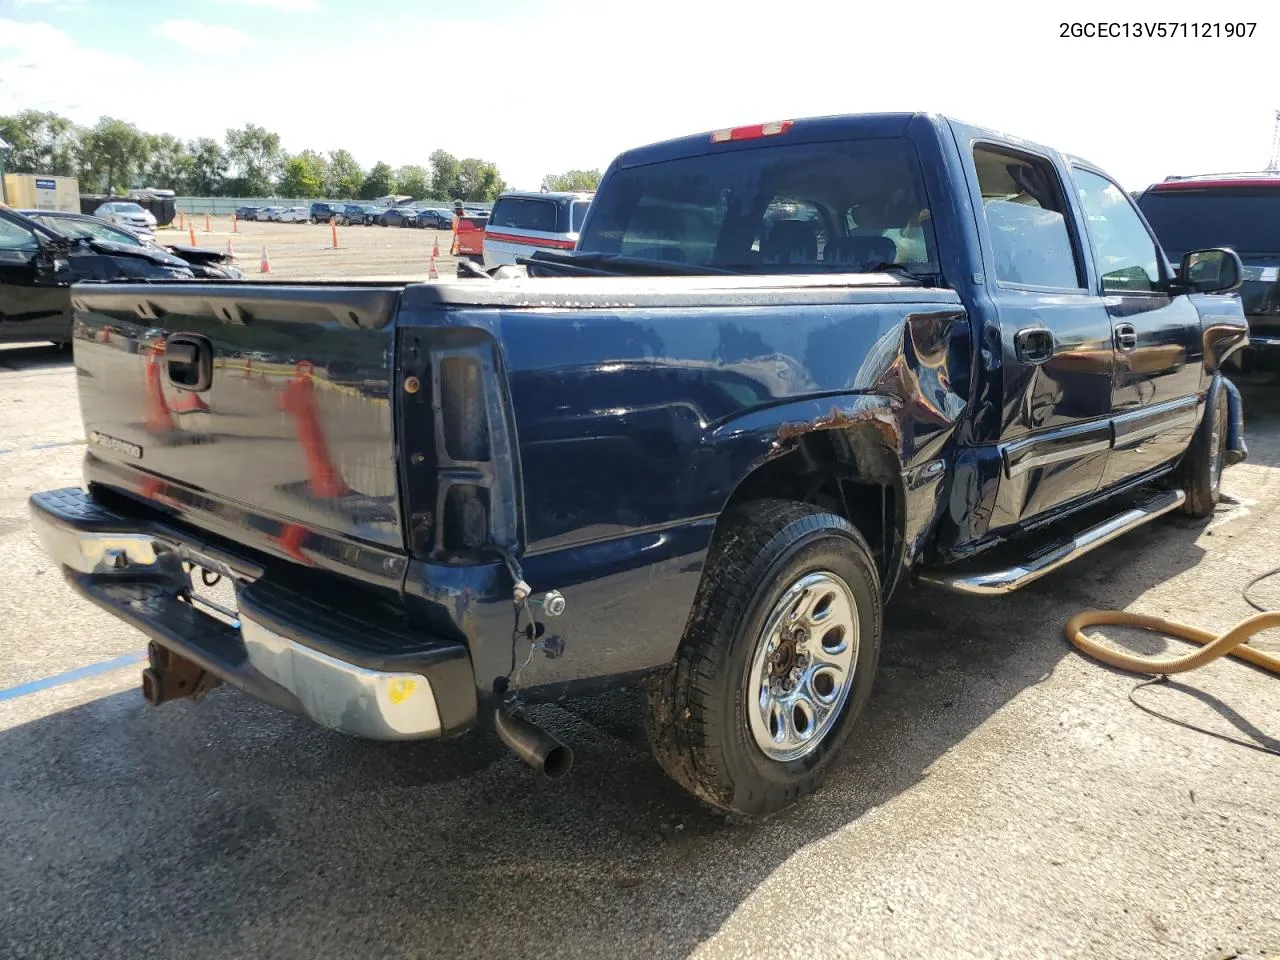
[[1013, 578]]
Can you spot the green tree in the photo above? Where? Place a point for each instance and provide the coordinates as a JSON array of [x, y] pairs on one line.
[[208, 171], [113, 152], [414, 181], [254, 154], [42, 143], [303, 175], [445, 170], [345, 176], [572, 180], [169, 165], [479, 180], [379, 182]]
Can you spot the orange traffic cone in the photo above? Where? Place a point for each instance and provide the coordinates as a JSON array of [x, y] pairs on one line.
[[431, 271], [298, 399], [207, 228], [333, 225], [158, 417], [235, 223], [435, 248], [231, 251], [182, 219], [189, 402], [264, 265], [192, 234]]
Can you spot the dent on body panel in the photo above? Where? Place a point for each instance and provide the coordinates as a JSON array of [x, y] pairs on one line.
[[617, 412], [1223, 328]]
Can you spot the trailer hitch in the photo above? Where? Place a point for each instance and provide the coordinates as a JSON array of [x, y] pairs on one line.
[[174, 677]]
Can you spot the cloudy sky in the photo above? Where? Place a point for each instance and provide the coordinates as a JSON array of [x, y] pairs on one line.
[[540, 86]]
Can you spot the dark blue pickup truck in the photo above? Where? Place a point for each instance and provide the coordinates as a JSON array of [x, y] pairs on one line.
[[789, 369]]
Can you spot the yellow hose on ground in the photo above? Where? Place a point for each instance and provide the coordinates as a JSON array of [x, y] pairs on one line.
[[1234, 642]]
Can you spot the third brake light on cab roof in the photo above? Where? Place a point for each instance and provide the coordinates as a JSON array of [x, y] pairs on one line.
[[752, 131]]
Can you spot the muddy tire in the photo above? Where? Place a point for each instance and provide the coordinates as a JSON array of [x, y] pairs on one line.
[[776, 663], [1200, 474]]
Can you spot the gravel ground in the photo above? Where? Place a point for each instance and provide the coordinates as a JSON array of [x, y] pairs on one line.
[[304, 251], [1002, 798]]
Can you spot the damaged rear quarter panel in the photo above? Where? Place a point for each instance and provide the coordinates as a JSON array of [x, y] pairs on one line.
[[635, 425]]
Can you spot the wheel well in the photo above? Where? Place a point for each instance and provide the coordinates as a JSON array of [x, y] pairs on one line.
[[818, 470]]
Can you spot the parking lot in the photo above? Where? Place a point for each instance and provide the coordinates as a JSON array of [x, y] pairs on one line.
[[1001, 796], [305, 251]]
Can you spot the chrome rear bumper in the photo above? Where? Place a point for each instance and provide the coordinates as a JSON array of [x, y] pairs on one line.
[[288, 648]]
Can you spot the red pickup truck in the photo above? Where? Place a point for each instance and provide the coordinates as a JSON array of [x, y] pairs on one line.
[[468, 237]]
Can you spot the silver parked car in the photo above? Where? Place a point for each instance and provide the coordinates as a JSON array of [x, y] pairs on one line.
[[130, 215]]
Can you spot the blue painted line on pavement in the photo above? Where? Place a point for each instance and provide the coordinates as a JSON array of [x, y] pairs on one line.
[[106, 666]]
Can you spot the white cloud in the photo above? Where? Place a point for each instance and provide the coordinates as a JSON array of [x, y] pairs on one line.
[[34, 74], [206, 37], [60, 4], [286, 6]]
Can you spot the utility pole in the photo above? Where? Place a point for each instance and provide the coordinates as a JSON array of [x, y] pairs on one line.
[[1274, 165]]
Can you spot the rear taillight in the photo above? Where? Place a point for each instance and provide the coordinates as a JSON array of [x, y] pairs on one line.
[[460, 481], [751, 132]]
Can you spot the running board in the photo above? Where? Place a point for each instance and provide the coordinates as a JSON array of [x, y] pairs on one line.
[[1013, 578]]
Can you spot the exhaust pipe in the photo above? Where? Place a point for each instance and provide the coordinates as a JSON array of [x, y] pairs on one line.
[[532, 744]]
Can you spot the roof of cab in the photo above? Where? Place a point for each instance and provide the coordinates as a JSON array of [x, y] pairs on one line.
[[836, 127], [812, 129], [547, 195]]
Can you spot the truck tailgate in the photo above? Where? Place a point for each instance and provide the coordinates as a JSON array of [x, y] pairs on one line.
[[258, 411]]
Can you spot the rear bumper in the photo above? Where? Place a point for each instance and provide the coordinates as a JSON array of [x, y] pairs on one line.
[[355, 668]]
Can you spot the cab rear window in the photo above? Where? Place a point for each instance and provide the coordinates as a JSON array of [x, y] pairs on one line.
[[787, 208], [521, 213]]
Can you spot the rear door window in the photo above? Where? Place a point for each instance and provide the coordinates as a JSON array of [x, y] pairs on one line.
[[840, 206], [1025, 210], [578, 213], [523, 213]]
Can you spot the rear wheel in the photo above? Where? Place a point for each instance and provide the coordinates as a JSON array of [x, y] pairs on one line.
[[1201, 470], [777, 660]]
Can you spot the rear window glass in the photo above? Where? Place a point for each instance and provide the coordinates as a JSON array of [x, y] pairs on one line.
[[522, 213], [1246, 220], [795, 208]]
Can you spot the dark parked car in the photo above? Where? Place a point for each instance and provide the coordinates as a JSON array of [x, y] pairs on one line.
[[1236, 210], [246, 213], [38, 266], [697, 454], [398, 217], [434, 218], [203, 262], [321, 211], [359, 214]]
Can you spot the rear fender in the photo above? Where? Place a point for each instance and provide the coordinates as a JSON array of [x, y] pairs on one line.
[[836, 451]]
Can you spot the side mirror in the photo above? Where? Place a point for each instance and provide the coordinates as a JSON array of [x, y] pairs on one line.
[[1217, 270]]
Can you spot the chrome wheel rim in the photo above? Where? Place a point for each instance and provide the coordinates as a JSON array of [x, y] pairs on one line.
[[802, 669]]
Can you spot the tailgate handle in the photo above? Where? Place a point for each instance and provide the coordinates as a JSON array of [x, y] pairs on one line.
[[189, 358]]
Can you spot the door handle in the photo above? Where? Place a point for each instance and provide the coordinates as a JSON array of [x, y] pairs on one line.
[[1126, 337], [189, 359], [1033, 345]]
